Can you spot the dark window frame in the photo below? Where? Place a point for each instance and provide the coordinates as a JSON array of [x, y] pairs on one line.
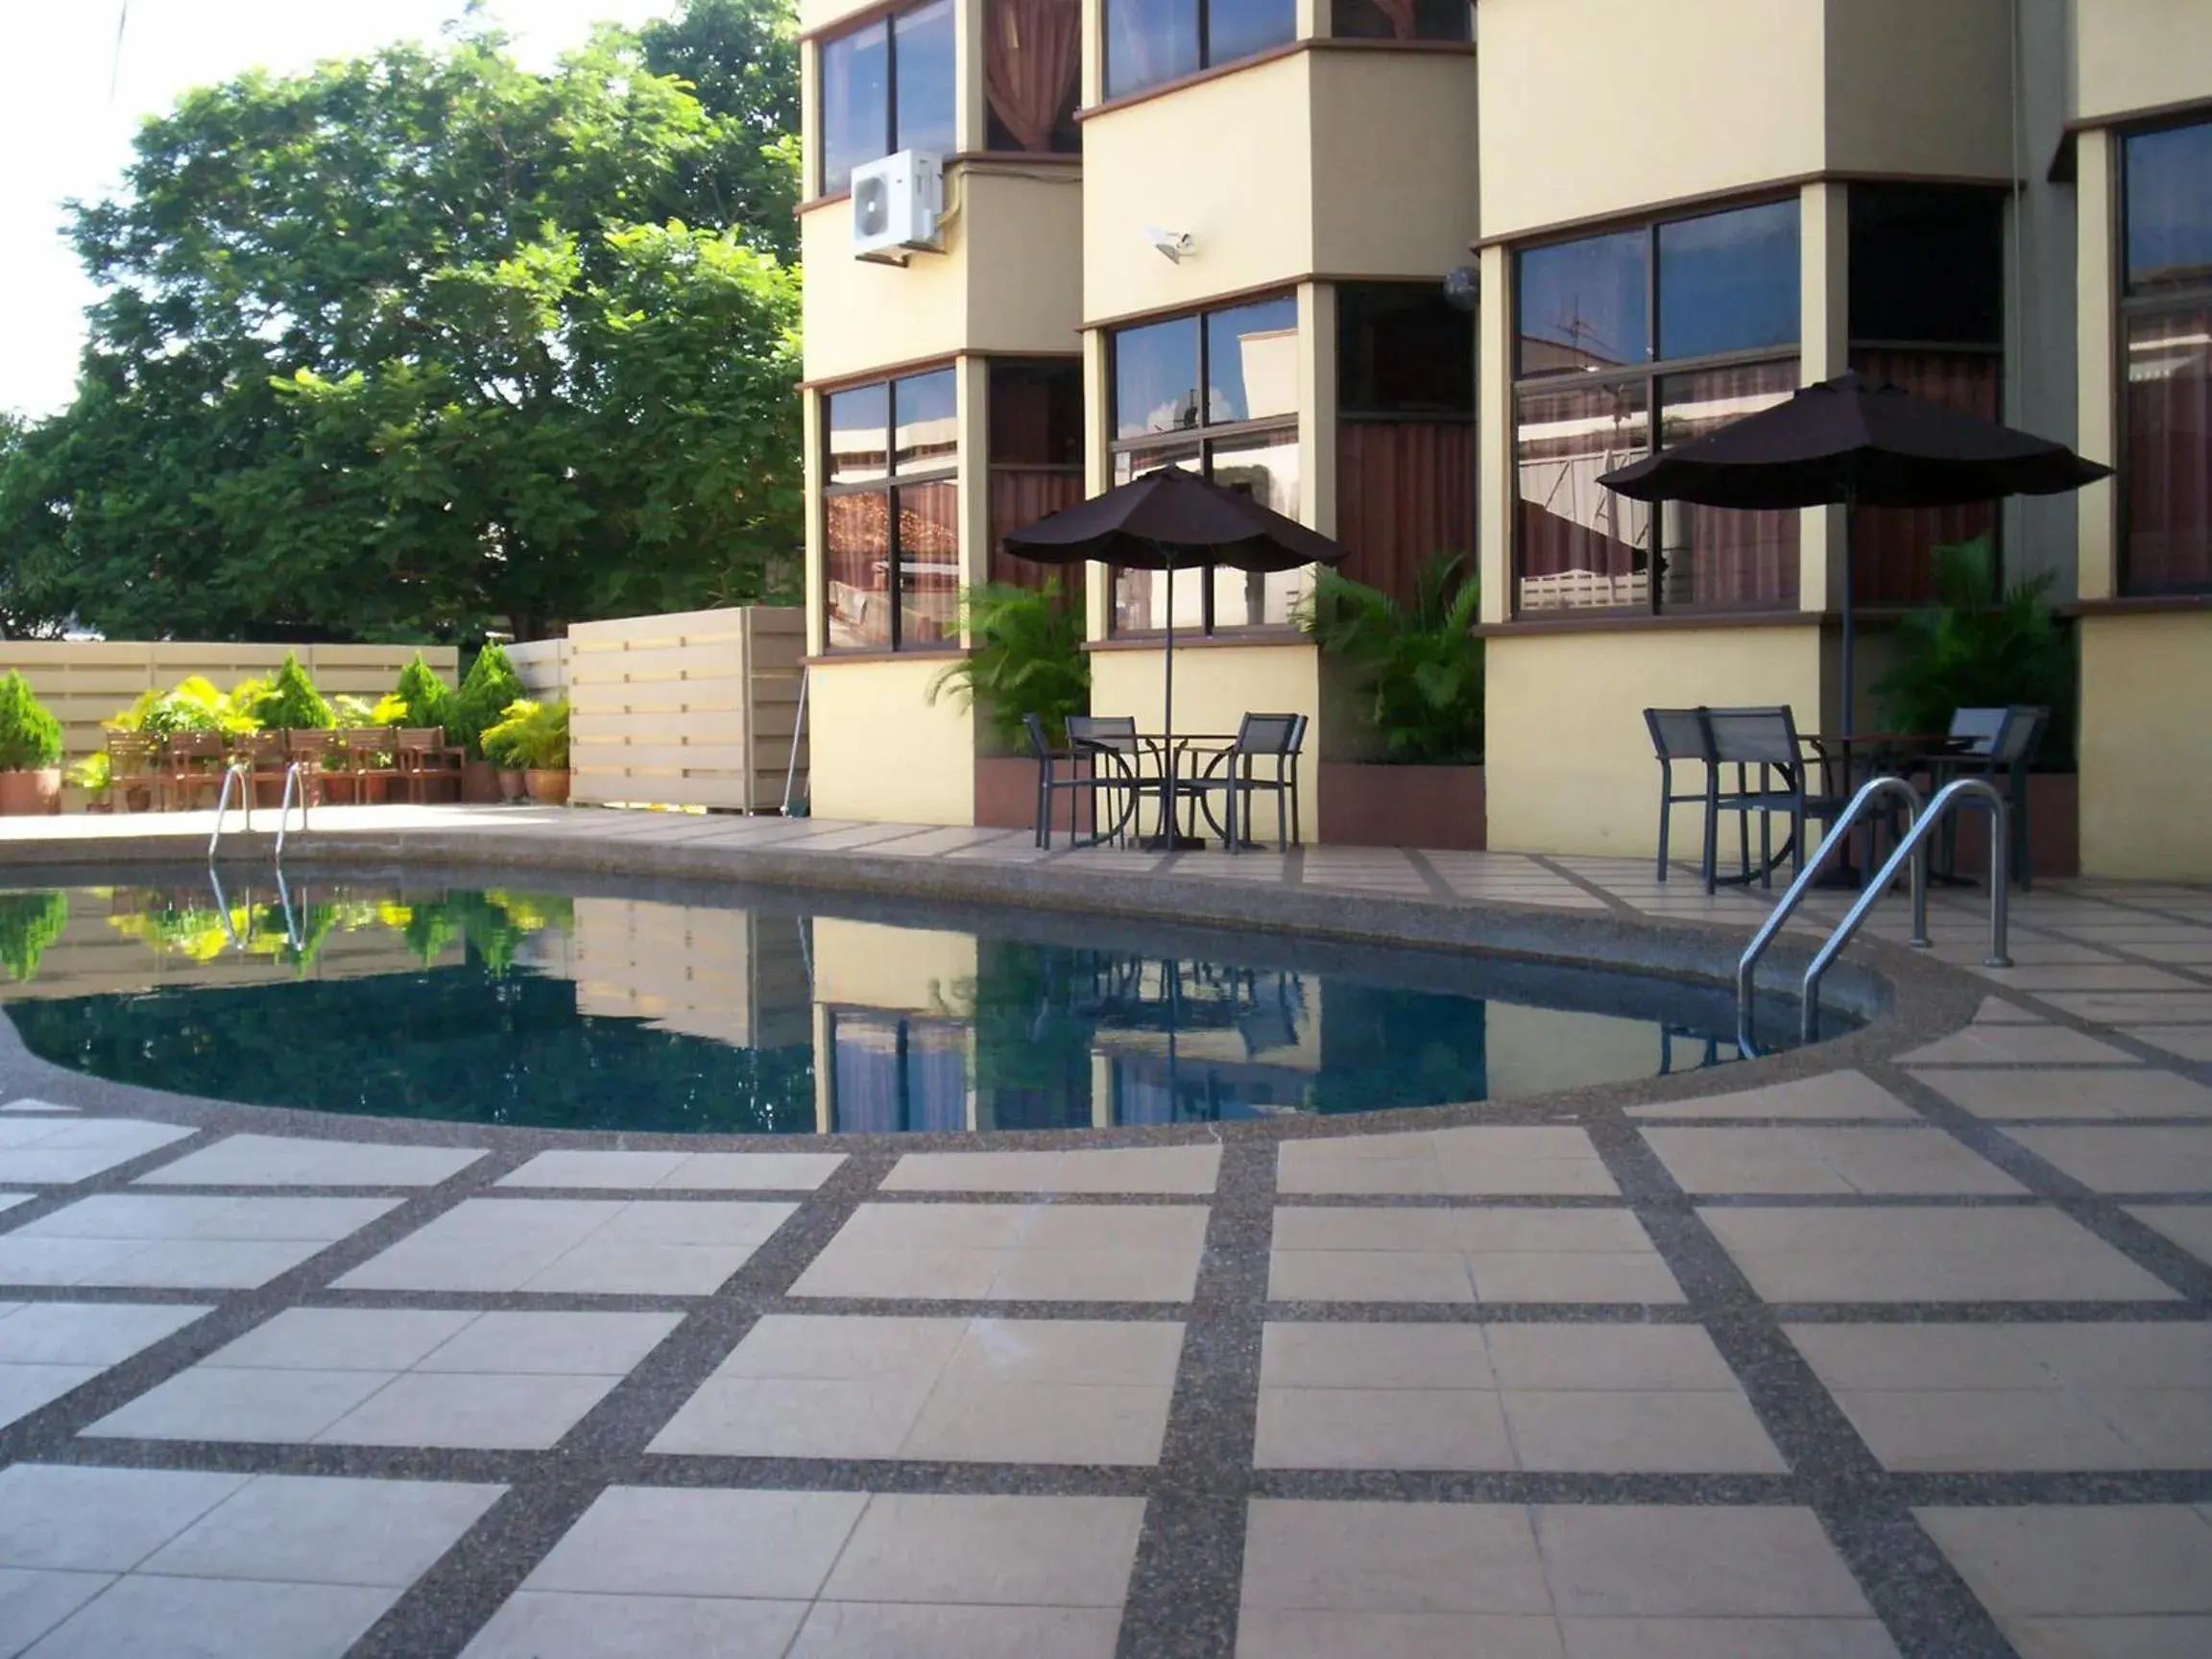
[[2130, 308], [888, 23], [889, 486]]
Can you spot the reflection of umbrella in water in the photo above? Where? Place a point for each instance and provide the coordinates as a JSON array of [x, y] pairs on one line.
[[1855, 443], [1173, 520]]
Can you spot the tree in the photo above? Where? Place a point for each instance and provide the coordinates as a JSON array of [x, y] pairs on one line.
[[740, 59], [421, 343]]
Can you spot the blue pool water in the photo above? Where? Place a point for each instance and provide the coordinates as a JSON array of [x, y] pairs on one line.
[[766, 1013]]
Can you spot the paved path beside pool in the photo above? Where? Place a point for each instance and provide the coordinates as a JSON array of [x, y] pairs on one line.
[[1904, 1360]]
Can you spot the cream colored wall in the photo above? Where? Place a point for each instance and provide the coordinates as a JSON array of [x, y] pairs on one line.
[[1824, 349], [2145, 797], [1568, 758], [912, 970], [881, 752], [2136, 55], [1920, 89], [1599, 106], [1025, 265], [1215, 685], [1228, 160], [859, 315], [2097, 389], [1493, 434], [1393, 157], [1533, 1050]]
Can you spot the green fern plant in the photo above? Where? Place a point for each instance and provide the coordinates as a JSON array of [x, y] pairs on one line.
[[1977, 647], [532, 735], [30, 736], [1025, 657], [1419, 665]]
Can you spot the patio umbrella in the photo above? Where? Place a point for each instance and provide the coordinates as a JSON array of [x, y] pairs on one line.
[[1172, 520], [1857, 443]]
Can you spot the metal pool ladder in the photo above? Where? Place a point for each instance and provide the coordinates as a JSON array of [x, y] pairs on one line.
[[242, 778], [1912, 850]]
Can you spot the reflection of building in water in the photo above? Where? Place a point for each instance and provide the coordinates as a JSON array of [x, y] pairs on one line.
[[732, 975], [892, 1044]]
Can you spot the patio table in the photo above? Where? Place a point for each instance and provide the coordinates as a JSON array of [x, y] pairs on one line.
[[1849, 759], [1167, 780]]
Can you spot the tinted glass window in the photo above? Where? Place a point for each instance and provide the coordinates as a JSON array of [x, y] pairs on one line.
[[2168, 208], [1422, 20], [924, 64], [1252, 361], [859, 434], [1927, 265], [1728, 281], [1036, 414], [1583, 304], [1148, 41], [1155, 377], [1238, 28], [927, 407], [1403, 351], [856, 102]]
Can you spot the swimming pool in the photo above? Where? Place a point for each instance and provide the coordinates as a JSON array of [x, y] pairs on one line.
[[762, 1011]]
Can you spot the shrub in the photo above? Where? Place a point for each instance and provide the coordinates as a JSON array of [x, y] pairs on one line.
[[1026, 658], [1420, 666], [420, 699], [192, 705], [532, 735], [492, 684], [290, 702], [29, 923], [30, 737]]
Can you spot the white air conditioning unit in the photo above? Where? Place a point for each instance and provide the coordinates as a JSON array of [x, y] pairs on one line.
[[896, 205]]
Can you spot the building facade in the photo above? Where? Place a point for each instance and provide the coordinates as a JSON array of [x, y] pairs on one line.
[[1217, 234]]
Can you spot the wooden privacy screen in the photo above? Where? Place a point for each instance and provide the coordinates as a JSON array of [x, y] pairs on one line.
[[690, 710], [85, 681], [542, 667]]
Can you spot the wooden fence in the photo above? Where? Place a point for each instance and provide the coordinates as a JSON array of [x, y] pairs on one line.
[[695, 708], [85, 681], [542, 667]]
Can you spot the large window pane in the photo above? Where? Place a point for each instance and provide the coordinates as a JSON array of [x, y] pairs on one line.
[[856, 102], [928, 434], [924, 64], [1252, 361], [1400, 19], [856, 547], [859, 434], [1716, 559], [1577, 544], [1729, 282], [1036, 414], [2169, 454], [1584, 305], [1927, 265], [1140, 596], [2168, 208], [1238, 28], [928, 563], [1148, 41], [1155, 377], [1402, 349], [1267, 469]]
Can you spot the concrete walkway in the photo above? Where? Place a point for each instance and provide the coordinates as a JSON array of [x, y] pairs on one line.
[[1905, 1357]]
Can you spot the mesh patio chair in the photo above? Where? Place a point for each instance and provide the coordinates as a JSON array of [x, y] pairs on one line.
[[1092, 768], [1766, 738], [1678, 737], [1233, 773], [2001, 745]]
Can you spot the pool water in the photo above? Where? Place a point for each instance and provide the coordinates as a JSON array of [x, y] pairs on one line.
[[752, 1012]]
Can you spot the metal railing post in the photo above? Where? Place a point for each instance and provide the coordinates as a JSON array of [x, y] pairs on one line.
[[240, 776], [294, 778]]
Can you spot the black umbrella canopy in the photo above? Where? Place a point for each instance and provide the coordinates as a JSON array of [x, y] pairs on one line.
[[1172, 519], [1853, 439]]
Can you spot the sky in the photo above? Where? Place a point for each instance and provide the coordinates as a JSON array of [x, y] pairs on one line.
[[70, 103]]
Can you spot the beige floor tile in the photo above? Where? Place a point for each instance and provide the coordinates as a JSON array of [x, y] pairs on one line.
[[1726, 1639], [283, 1161], [1132, 1353], [1102, 1275], [1830, 1094], [795, 1417], [1013, 1252], [1381, 1428], [1818, 1160], [1369, 1276], [1659, 1561], [1164, 1169], [978, 1422], [1813, 1253], [2080, 1560], [900, 1275], [1606, 1355], [1475, 1229], [674, 1541], [2135, 1159], [679, 1171], [2134, 1007], [990, 1552], [1622, 1431], [1373, 1356], [1271, 1633], [869, 1629], [1392, 1558], [2144, 1092], [2006, 1044], [1638, 1279], [2182, 1636], [845, 1346], [2188, 1225], [550, 1624], [2189, 1042], [1481, 1162], [1431, 1254]]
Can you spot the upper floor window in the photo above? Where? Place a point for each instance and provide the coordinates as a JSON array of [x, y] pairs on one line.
[[890, 511], [1401, 20], [1405, 430], [1032, 72], [1678, 327], [2166, 329], [887, 86], [1149, 41]]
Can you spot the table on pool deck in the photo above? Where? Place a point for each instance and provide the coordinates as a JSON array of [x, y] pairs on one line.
[[1166, 784]]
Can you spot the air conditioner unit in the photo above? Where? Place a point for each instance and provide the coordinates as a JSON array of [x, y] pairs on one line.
[[896, 205]]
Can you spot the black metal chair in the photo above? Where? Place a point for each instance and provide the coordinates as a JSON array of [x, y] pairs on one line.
[[2000, 744], [1766, 738], [1093, 768], [1678, 736], [1232, 773]]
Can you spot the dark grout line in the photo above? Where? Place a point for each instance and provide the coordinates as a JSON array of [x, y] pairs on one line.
[[1575, 878]]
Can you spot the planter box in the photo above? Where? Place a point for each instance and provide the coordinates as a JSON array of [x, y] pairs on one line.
[[1367, 805], [2054, 829], [1006, 796], [31, 793]]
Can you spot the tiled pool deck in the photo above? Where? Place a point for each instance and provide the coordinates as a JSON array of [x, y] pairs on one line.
[[1903, 1348]]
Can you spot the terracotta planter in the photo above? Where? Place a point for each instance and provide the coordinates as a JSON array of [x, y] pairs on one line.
[[137, 798], [372, 792], [548, 788], [337, 789], [29, 794], [1439, 806], [2054, 829], [1006, 796], [480, 784], [509, 783]]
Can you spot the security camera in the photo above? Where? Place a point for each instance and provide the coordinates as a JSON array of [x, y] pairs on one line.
[[1176, 245]]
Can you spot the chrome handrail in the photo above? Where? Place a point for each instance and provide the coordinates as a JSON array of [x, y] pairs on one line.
[[244, 779], [293, 776], [1836, 839], [1913, 845], [295, 924]]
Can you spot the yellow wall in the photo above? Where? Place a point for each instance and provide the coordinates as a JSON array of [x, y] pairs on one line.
[[913, 969], [881, 752], [2135, 55], [2097, 388], [1532, 1050], [1920, 87], [1215, 685], [1597, 107], [1394, 175], [1568, 758], [2146, 790]]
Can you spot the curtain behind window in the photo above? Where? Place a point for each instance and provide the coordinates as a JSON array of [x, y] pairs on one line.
[[2169, 454], [1892, 561], [1032, 51]]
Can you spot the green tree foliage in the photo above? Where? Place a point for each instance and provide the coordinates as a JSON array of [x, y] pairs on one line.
[[29, 923], [290, 702], [740, 59], [530, 734], [30, 737], [1027, 658], [421, 343], [1419, 665], [420, 699], [490, 685]]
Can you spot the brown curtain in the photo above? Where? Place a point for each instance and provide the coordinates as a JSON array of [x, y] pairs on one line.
[[1716, 559], [2168, 505], [1401, 15], [1891, 546], [1404, 489], [1022, 496], [1032, 51]]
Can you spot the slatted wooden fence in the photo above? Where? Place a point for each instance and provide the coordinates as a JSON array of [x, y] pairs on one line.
[[542, 667]]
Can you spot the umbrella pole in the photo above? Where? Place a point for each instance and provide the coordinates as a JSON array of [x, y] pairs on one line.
[[1850, 610], [1169, 830]]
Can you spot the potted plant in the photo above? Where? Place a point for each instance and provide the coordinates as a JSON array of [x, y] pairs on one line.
[[29, 923], [95, 775], [1417, 671], [30, 751], [490, 685], [533, 737], [1026, 656]]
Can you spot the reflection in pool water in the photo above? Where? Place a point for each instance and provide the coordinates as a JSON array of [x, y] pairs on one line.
[[770, 1013]]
